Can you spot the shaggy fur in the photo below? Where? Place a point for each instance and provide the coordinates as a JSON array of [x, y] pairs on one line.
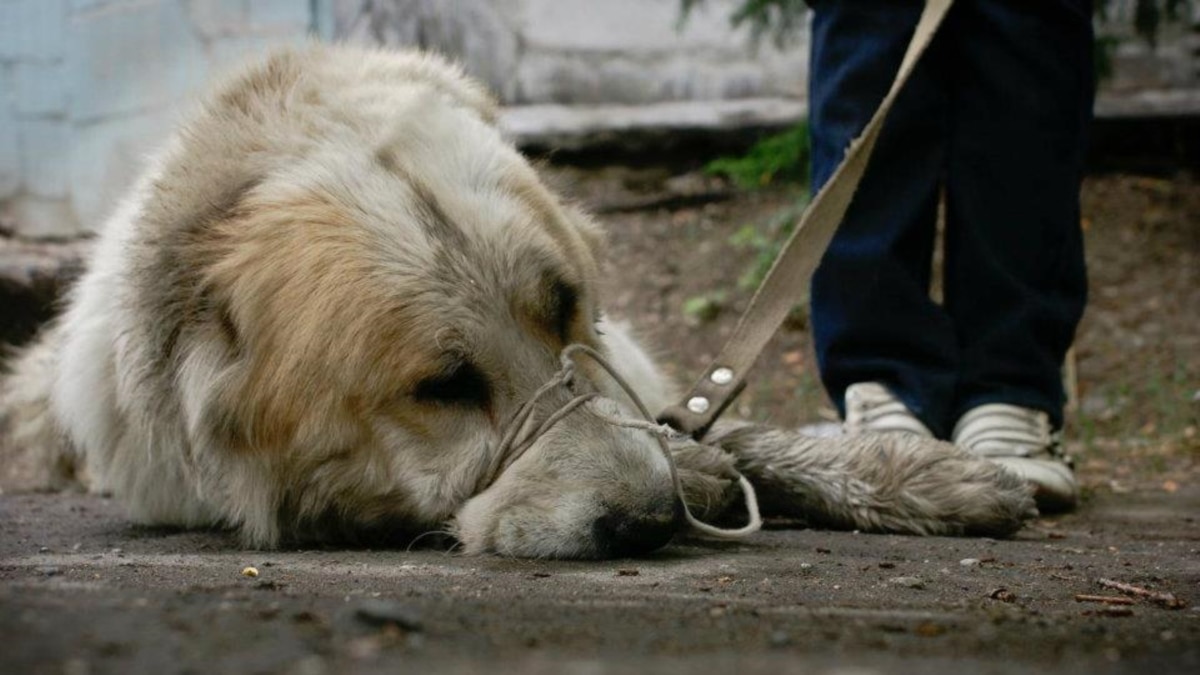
[[869, 482], [316, 312]]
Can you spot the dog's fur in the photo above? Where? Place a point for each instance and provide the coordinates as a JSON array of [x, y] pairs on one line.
[[314, 315]]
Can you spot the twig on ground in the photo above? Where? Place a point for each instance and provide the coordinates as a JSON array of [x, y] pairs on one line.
[[1105, 599], [1167, 600], [1110, 611]]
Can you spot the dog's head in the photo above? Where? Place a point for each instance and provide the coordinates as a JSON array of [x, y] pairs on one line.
[[369, 285]]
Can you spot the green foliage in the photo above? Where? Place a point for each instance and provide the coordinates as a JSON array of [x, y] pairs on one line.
[[766, 239], [1148, 15], [701, 309], [781, 156], [782, 21], [1104, 48]]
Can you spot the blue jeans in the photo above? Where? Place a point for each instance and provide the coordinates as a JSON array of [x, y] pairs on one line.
[[995, 115]]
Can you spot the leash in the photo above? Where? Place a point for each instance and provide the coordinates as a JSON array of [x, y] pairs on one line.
[[725, 377], [525, 429]]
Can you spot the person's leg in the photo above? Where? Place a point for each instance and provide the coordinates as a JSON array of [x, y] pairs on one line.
[[872, 316], [1021, 96], [1021, 100]]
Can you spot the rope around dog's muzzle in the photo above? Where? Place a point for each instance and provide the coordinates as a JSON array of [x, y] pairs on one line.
[[522, 433]]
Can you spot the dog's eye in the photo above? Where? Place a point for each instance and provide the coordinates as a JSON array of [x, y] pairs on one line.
[[461, 385], [566, 304]]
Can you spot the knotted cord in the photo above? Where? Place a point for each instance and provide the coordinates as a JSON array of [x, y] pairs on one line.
[[522, 432]]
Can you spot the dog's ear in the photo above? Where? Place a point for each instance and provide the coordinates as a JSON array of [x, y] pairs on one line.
[[567, 191], [590, 231], [446, 77]]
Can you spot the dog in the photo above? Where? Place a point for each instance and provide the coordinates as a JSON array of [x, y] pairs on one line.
[[317, 314]]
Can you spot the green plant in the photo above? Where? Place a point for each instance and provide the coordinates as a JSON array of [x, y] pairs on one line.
[[779, 19], [782, 21], [701, 309], [780, 156], [765, 239], [1148, 15]]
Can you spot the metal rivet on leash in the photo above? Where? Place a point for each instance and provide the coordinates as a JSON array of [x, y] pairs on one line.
[[721, 376], [698, 404]]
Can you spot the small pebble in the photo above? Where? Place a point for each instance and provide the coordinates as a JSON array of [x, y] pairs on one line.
[[779, 638], [969, 562], [250, 572], [311, 665], [907, 582]]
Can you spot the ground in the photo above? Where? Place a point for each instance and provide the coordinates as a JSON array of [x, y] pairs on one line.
[[83, 591]]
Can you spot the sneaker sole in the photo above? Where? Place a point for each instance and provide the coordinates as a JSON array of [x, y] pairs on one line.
[[1056, 489]]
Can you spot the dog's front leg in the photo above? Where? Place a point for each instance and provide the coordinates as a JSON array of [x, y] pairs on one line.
[[876, 482]]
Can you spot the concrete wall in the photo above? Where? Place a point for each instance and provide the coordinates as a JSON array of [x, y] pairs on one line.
[[88, 86], [585, 51]]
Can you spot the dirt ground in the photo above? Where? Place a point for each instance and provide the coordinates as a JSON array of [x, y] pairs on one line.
[[83, 591]]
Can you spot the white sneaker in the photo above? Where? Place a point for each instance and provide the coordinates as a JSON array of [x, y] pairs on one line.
[[1021, 440], [871, 407]]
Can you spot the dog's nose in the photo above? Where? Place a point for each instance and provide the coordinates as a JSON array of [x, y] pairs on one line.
[[622, 534]]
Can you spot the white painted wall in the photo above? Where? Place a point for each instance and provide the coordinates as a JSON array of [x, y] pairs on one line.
[[586, 51], [88, 86]]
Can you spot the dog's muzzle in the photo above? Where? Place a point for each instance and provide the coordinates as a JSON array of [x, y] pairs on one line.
[[525, 430]]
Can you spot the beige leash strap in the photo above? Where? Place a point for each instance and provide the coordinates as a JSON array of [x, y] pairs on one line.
[[791, 271]]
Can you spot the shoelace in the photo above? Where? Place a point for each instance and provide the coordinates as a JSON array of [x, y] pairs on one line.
[[523, 432]]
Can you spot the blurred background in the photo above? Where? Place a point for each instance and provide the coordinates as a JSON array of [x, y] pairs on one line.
[[680, 123], [87, 86]]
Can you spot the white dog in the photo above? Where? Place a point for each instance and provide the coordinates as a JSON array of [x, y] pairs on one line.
[[318, 312]]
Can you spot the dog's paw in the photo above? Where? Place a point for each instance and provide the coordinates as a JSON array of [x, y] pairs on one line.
[[707, 476]]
